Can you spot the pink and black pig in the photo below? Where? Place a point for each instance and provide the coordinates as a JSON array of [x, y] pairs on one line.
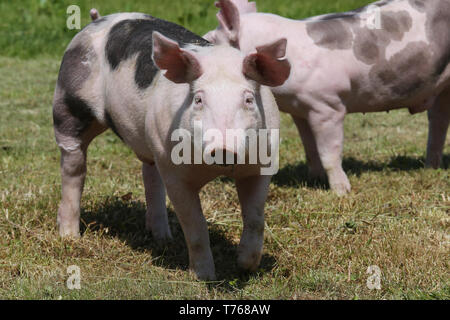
[[148, 80], [391, 54]]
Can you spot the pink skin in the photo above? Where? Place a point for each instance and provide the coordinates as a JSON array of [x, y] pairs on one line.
[[230, 85], [321, 89]]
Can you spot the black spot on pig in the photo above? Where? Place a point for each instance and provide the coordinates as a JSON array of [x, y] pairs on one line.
[[330, 34], [134, 37], [370, 45], [110, 123], [342, 31], [410, 71], [438, 32], [71, 114], [404, 74], [396, 24], [419, 5], [360, 89], [75, 66]]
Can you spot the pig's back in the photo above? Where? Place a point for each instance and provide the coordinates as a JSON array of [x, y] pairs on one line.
[[107, 69], [132, 38], [106, 44]]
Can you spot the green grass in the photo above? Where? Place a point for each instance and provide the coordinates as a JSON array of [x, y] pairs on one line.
[[317, 246], [30, 28]]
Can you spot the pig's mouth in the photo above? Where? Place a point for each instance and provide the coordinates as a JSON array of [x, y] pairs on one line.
[[224, 165], [228, 159]]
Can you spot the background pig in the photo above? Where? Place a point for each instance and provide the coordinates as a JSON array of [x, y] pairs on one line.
[[109, 79], [343, 63]]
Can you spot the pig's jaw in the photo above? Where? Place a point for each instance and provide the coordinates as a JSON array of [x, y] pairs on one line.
[[259, 149]]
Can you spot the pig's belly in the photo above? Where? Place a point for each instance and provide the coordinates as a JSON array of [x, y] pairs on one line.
[[141, 149], [135, 139], [128, 121], [200, 175]]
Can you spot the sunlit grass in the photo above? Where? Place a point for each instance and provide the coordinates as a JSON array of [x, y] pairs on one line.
[[38, 27], [317, 246]]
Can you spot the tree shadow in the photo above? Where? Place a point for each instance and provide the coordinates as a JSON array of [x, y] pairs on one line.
[[126, 221], [297, 175]]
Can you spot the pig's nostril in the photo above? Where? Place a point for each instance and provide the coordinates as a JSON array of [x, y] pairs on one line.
[[228, 158], [232, 156]]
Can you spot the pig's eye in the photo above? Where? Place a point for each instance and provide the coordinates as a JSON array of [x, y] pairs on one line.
[[198, 101], [249, 100]]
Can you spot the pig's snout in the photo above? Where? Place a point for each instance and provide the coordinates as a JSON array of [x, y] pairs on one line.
[[228, 157]]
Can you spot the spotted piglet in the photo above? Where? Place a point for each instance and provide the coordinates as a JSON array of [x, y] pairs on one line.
[[389, 55], [171, 97]]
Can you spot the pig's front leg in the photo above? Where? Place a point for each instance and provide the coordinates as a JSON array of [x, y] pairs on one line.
[[156, 216], [252, 194], [315, 168], [439, 119], [186, 202], [328, 129]]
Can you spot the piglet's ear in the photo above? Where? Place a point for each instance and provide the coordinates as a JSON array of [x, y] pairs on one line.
[[229, 20], [244, 6], [268, 65], [181, 65]]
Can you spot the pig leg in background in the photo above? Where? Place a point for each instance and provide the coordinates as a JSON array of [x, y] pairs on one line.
[[186, 203], [156, 219], [252, 192], [328, 129], [73, 174], [439, 119], [315, 168]]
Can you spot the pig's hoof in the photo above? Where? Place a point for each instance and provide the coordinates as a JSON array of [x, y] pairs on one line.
[[341, 189], [162, 237], [249, 261], [205, 275], [161, 233], [433, 163], [68, 232]]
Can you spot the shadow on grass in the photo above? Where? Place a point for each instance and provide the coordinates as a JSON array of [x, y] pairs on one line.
[[296, 175], [126, 220]]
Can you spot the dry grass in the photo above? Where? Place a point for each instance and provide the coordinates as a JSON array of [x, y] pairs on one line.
[[317, 246]]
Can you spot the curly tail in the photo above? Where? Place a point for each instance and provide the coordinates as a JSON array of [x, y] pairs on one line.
[[94, 14]]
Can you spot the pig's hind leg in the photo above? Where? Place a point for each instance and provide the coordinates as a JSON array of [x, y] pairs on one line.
[[75, 127], [439, 119], [328, 130], [156, 219]]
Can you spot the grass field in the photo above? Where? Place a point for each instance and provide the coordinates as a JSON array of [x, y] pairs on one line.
[[317, 246]]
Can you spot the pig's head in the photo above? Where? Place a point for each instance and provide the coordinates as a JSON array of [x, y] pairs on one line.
[[227, 89]]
